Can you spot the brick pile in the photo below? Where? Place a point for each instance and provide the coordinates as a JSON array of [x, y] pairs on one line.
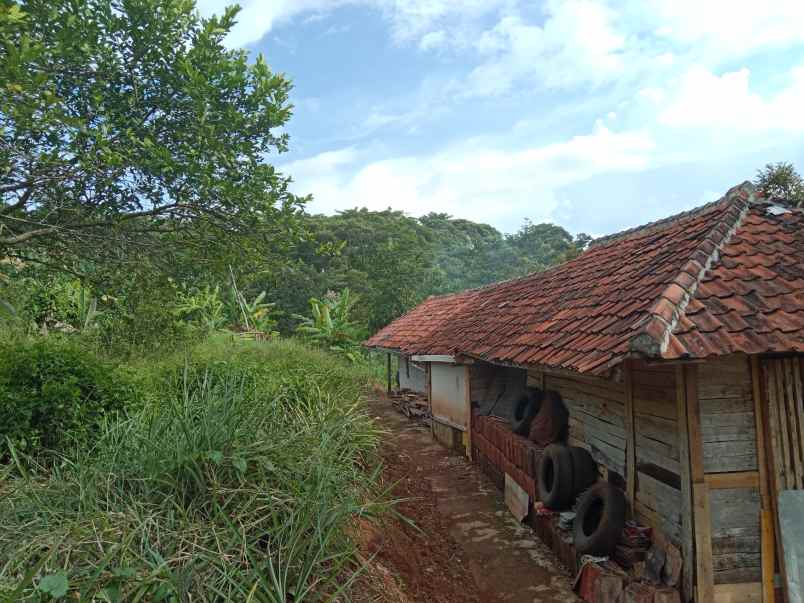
[[499, 451]]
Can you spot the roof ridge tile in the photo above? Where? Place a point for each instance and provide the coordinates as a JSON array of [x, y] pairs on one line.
[[663, 317]]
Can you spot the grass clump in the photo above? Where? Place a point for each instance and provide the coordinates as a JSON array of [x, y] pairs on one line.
[[54, 390], [239, 483]]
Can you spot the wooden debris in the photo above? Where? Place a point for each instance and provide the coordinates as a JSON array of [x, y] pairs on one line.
[[411, 404]]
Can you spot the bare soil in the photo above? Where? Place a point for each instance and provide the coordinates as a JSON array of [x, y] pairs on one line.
[[455, 540]]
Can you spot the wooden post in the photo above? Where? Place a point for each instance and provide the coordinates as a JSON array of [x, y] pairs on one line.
[[388, 365], [630, 434], [767, 523], [701, 514], [687, 532]]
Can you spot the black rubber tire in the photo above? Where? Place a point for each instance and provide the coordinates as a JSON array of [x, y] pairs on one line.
[[584, 470], [554, 478], [525, 409], [551, 424], [599, 520]]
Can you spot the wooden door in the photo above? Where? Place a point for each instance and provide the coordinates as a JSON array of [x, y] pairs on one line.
[[784, 387]]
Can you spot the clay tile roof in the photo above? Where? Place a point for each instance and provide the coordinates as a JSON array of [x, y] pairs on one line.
[[727, 277]]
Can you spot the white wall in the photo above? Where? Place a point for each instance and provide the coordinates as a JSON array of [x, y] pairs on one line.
[[450, 394], [412, 376]]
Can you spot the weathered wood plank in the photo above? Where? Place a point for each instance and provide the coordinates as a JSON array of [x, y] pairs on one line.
[[739, 575], [653, 378], [749, 592], [656, 453], [664, 409], [736, 540], [687, 526], [605, 410], [647, 516], [735, 508], [728, 426], [725, 457], [661, 430], [705, 581], [716, 406], [775, 476], [604, 390], [784, 429], [796, 427], [630, 433], [767, 536], [660, 497], [608, 432], [742, 479]]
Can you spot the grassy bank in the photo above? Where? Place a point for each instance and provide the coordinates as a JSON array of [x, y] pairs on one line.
[[236, 479]]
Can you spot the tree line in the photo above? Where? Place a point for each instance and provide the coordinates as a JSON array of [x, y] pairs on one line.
[[136, 158]]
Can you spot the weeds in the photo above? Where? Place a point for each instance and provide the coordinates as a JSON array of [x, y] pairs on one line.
[[238, 484]]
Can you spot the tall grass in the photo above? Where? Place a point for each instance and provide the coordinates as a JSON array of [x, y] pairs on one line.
[[239, 483]]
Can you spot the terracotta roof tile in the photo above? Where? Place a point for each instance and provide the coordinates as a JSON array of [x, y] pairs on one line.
[[728, 277]]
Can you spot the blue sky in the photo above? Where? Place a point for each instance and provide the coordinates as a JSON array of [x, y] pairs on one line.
[[598, 115]]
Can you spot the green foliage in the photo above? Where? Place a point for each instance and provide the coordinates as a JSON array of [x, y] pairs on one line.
[[52, 390], [393, 261], [202, 308], [127, 129], [239, 482], [781, 181], [331, 326]]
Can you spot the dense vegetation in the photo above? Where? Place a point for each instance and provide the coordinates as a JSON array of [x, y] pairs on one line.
[[236, 478], [147, 452]]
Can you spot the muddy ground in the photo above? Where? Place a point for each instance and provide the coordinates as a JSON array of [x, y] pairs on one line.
[[459, 542]]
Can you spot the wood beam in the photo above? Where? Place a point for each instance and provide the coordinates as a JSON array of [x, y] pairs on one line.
[[769, 542], [701, 513], [630, 435], [388, 370], [687, 531], [766, 523], [739, 479]]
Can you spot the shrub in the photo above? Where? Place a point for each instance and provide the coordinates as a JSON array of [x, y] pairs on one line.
[[239, 483], [53, 389]]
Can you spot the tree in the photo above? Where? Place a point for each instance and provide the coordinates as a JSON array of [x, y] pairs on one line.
[[781, 181], [540, 246], [127, 128], [468, 254]]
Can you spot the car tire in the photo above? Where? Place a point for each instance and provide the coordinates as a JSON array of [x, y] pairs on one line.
[[599, 520]]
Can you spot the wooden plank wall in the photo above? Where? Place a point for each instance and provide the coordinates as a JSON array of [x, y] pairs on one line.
[[658, 478], [728, 432], [597, 415], [727, 415], [598, 422]]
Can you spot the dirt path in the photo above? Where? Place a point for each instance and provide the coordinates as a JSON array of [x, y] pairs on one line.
[[468, 546]]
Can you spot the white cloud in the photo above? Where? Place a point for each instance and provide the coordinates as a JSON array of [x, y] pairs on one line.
[[410, 20], [577, 43], [705, 100], [472, 179], [721, 29]]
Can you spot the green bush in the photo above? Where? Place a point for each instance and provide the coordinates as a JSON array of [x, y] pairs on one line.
[[238, 483], [54, 390]]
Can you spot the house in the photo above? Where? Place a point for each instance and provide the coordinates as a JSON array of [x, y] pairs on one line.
[[678, 349]]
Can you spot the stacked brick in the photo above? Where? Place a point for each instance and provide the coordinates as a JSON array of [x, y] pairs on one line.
[[498, 451]]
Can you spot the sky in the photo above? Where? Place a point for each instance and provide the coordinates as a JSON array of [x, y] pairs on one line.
[[598, 115]]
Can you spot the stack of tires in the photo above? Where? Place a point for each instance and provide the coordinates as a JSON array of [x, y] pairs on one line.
[[566, 473]]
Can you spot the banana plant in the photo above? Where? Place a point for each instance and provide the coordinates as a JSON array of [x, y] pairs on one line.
[[330, 323], [202, 308], [255, 315]]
